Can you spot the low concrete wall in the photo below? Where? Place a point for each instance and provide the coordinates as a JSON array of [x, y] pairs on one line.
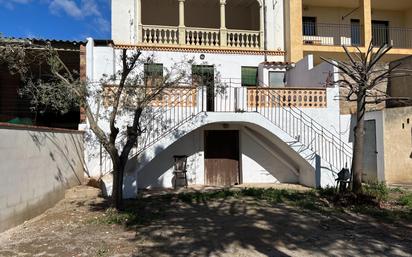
[[398, 145], [37, 165]]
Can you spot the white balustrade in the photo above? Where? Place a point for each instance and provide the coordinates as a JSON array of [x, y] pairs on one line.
[[206, 37], [202, 37], [164, 35], [243, 39]]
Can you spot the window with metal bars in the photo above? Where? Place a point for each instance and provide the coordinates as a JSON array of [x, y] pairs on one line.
[[153, 73], [249, 76]]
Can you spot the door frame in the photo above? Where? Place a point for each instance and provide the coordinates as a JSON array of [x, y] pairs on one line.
[[210, 89]]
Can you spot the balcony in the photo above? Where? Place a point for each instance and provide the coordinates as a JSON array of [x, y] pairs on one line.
[[169, 35], [397, 37], [351, 35], [332, 34], [202, 24], [241, 99], [337, 23]]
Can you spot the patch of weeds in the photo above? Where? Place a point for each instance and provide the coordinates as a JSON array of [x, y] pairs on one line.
[[112, 216], [102, 252], [383, 214], [307, 200], [205, 196], [328, 192], [406, 200], [377, 190], [396, 190]]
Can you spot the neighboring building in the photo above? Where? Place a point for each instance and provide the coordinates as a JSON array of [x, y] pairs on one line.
[[320, 27], [42, 152], [16, 109], [401, 84]]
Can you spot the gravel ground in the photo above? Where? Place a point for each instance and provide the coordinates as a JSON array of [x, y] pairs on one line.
[[223, 227]]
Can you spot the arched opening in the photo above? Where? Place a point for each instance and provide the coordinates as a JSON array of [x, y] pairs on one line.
[[160, 12], [243, 15], [202, 13]]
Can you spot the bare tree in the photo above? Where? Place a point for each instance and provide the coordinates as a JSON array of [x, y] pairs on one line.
[[361, 75], [128, 92]]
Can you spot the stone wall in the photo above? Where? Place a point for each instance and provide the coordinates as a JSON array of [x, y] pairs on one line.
[[37, 165]]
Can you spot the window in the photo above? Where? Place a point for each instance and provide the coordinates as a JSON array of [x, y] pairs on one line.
[[153, 70], [309, 26], [249, 76], [153, 73], [276, 79]]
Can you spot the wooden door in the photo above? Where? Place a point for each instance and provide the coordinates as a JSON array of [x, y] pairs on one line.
[[222, 157]]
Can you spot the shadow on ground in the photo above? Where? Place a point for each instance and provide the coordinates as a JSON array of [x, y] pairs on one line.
[[170, 225]]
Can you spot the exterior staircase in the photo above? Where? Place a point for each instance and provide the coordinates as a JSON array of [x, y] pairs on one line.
[[173, 114]]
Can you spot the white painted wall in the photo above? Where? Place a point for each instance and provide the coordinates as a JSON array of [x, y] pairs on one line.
[[105, 60], [123, 21], [258, 165], [228, 66], [305, 74], [36, 167], [275, 27]]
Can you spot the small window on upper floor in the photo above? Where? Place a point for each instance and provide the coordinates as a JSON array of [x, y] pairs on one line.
[[276, 79], [309, 26], [249, 76], [153, 73]]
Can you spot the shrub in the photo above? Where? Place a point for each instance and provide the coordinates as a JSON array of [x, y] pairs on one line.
[[377, 190], [406, 200]]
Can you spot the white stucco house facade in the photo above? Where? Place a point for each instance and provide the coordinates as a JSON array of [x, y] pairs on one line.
[[274, 122]]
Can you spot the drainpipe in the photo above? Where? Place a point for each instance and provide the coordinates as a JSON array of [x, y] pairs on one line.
[[265, 47]]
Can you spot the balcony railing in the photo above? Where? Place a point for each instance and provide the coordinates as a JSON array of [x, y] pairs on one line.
[[244, 98], [201, 37], [243, 38], [287, 97], [397, 37], [332, 34], [162, 35]]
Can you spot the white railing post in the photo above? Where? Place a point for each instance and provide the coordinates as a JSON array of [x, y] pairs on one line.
[[262, 27], [223, 29], [182, 27], [138, 21]]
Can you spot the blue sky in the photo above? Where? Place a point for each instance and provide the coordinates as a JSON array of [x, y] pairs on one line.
[[55, 19]]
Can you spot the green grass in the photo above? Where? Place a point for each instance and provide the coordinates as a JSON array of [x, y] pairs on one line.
[[325, 201], [378, 191], [112, 216], [406, 200]]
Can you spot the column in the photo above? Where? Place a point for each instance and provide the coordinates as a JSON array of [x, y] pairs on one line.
[[262, 26], [138, 21], [293, 28], [366, 20], [182, 27], [223, 29]]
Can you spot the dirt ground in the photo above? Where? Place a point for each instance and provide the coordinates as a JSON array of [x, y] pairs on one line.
[[224, 227]]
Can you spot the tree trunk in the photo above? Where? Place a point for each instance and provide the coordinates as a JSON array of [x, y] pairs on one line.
[[117, 190], [359, 140]]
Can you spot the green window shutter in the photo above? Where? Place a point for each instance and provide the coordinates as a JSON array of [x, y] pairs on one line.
[[153, 70], [249, 76]]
